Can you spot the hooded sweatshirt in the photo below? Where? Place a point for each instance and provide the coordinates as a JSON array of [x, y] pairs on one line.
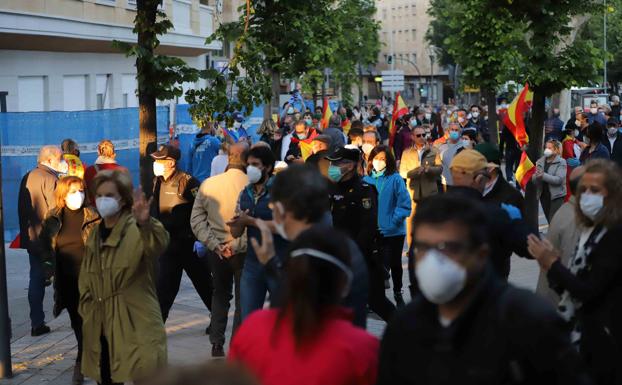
[[204, 149], [394, 204]]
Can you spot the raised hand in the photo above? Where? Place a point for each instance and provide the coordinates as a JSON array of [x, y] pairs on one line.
[[140, 208], [265, 251]]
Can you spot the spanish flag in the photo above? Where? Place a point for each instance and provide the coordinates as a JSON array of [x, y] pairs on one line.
[[327, 114], [399, 109], [305, 150], [525, 170], [514, 117]]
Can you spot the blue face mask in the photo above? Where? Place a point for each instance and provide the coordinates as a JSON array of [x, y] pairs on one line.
[[413, 123], [377, 174], [309, 122], [334, 173], [454, 135]]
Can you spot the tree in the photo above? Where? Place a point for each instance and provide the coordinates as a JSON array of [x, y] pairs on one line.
[[158, 76], [477, 39]]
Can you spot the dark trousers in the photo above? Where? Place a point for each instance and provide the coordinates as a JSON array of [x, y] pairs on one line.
[[254, 285], [378, 301], [512, 158], [180, 257], [67, 290], [391, 252], [226, 273], [36, 291], [104, 364], [550, 206]]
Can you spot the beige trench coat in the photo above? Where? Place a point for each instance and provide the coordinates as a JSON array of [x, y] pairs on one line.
[[118, 300]]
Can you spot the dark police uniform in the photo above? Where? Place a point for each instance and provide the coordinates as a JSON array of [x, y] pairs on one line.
[[172, 205], [354, 208]]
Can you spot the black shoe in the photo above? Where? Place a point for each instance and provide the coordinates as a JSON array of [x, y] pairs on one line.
[[208, 329], [77, 378], [40, 330], [399, 299], [218, 351]]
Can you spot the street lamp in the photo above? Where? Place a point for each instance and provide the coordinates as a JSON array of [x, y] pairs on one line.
[[431, 50]]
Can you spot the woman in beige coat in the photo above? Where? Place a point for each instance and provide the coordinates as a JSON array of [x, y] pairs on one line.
[[123, 333]]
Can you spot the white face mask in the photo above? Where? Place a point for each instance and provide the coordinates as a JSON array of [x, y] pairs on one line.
[[254, 174], [591, 204], [158, 169], [107, 206], [74, 200], [428, 116], [379, 165], [62, 168], [577, 123], [440, 278], [548, 152], [460, 119], [466, 143], [576, 133], [475, 115], [367, 147], [593, 110]]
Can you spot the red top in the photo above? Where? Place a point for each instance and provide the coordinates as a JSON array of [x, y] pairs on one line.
[[91, 171], [340, 353]]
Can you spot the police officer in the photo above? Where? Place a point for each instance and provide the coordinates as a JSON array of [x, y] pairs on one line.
[[354, 208], [173, 196]]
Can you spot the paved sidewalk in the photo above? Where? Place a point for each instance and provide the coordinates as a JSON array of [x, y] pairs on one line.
[[49, 359]]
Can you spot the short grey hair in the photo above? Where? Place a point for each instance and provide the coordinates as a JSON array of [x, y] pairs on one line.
[[47, 152]]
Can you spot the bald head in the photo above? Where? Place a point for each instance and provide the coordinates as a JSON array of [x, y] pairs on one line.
[[49, 154], [238, 153]]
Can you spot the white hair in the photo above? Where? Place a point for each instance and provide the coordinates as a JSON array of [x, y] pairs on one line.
[[48, 152]]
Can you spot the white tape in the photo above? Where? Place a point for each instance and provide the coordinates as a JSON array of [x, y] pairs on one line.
[[85, 148]]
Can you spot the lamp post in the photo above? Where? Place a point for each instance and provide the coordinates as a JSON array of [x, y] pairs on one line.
[[430, 50], [605, 10]]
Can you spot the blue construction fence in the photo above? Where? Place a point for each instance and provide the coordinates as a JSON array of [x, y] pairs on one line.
[[23, 134]]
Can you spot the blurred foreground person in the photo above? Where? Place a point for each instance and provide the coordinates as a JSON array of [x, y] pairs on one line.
[[309, 340], [469, 327], [63, 236], [591, 284], [123, 332], [211, 373]]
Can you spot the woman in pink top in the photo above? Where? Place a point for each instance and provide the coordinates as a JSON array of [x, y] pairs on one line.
[[310, 340]]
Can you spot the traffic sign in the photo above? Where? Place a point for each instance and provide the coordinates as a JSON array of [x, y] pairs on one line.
[[392, 81]]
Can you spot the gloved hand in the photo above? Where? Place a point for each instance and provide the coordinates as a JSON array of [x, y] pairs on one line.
[[573, 162], [200, 249], [513, 211]]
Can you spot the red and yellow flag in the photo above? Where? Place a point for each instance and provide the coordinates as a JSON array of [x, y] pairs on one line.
[[514, 117], [305, 150], [525, 170], [399, 109], [326, 115]]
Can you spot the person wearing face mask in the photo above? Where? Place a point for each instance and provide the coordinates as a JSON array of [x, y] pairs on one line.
[[300, 200], [215, 204], [589, 286], [106, 160], [309, 340], [354, 209], [301, 133], [594, 115], [497, 190], [253, 203], [615, 108], [550, 179], [614, 141], [36, 198], [404, 138], [593, 147], [370, 140], [61, 246], [449, 150], [508, 231], [174, 192], [478, 123], [468, 326], [203, 150], [122, 329], [394, 206], [553, 127]]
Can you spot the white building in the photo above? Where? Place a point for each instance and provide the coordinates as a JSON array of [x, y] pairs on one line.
[[57, 54]]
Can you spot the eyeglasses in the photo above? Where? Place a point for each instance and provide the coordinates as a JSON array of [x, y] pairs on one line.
[[449, 247], [419, 135]]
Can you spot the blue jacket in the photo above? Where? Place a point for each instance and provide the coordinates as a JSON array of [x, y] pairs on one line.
[[204, 149], [258, 207], [394, 204], [600, 152]]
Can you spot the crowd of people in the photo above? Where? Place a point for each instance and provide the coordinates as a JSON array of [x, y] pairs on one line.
[[316, 219]]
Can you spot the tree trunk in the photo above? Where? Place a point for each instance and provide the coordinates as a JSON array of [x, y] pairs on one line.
[[314, 96], [272, 105], [493, 129], [146, 13], [536, 137]]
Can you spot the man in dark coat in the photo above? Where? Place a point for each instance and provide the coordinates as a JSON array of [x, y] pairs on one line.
[[467, 326], [36, 198]]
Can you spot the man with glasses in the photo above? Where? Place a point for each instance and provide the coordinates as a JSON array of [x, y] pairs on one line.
[[468, 326]]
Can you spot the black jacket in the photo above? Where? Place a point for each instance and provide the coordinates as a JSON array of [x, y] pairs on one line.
[[177, 220], [36, 198], [616, 152], [503, 192], [504, 336], [599, 288], [506, 235]]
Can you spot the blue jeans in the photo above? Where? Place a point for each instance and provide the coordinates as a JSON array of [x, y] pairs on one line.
[[36, 291], [254, 285]]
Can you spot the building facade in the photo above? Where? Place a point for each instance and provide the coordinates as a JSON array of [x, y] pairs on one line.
[[56, 55], [403, 27]]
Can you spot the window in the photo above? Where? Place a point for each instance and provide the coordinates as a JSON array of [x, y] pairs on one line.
[[384, 13], [384, 36], [74, 93], [128, 90], [414, 9], [204, 2], [413, 33], [415, 58], [31, 93], [106, 2], [103, 84]]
